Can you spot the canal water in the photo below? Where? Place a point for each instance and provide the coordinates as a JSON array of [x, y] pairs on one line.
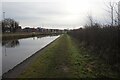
[[16, 51]]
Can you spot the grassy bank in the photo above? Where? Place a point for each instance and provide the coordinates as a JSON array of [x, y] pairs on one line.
[[7, 36], [65, 59]]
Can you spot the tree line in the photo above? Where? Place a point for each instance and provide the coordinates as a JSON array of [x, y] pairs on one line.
[[9, 25], [104, 42], [101, 40]]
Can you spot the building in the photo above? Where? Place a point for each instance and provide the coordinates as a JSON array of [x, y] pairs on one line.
[[119, 13], [27, 29]]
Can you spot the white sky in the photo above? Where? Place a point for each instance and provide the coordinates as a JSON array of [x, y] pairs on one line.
[[56, 13]]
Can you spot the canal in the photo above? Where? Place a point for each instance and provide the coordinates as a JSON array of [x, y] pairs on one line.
[[16, 51]]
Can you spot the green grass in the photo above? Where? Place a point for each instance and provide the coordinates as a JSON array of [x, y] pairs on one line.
[[65, 59]]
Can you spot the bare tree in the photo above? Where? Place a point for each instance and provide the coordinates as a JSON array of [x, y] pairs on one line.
[[117, 13], [90, 19], [10, 25], [110, 6]]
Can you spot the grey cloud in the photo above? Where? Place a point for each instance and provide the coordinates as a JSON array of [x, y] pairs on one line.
[[51, 12]]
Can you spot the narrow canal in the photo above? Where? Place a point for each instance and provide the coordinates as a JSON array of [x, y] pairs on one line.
[[16, 51]]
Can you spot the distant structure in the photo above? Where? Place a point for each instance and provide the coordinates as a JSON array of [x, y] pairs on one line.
[[119, 13]]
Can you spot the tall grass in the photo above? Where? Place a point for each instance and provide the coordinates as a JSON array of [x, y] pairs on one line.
[[103, 42]]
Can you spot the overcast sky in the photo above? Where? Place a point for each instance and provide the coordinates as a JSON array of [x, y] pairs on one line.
[[56, 13]]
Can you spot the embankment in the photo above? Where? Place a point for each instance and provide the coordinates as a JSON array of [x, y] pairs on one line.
[[8, 36], [13, 73]]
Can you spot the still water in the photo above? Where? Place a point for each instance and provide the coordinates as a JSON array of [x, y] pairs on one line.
[[16, 51]]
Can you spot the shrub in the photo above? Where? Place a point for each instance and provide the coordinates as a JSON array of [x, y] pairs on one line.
[[103, 42]]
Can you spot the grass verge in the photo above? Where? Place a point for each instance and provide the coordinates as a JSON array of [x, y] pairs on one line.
[[65, 59]]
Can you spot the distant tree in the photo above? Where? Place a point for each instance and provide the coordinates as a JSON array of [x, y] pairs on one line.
[[111, 9], [97, 25], [10, 25], [90, 19], [117, 9]]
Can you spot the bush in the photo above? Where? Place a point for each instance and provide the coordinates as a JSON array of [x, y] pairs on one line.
[[103, 42]]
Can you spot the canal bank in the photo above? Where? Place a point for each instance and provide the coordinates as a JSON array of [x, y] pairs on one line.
[[8, 36], [38, 45], [64, 58]]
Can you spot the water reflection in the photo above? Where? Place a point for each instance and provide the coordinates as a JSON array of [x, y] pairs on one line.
[[33, 38], [38, 37], [16, 51], [11, 43]]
